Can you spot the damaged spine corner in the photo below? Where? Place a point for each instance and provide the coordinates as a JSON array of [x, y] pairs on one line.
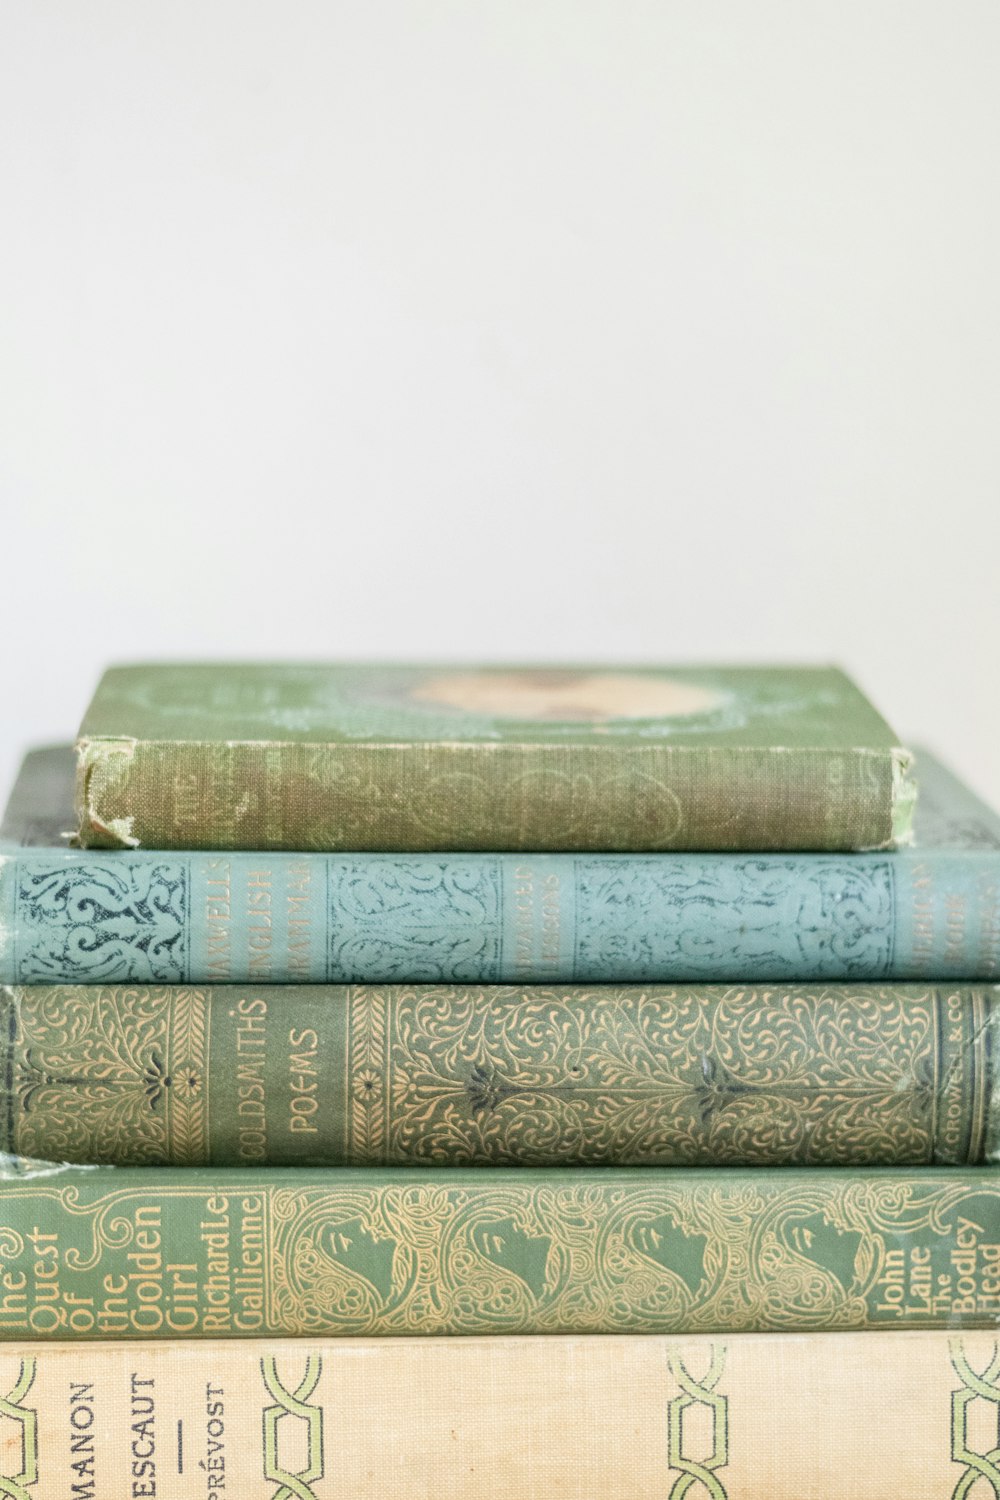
[[12, 1164], [904, 797], [110, 758], [31, 1167]]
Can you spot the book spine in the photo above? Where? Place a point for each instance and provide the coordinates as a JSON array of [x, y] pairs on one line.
[[729, 1418], [81, 917], [214, 1252], [212, 795], [535, 1076]]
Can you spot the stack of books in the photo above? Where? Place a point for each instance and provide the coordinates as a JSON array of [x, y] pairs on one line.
[[424, 1080]]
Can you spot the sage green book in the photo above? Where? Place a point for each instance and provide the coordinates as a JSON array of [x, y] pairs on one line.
[[251, 756], [539, 1076], [214, 1252]]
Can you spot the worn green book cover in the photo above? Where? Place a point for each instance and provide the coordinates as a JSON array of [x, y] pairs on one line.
[[131, 1252], [331, 757], [536, 1075]]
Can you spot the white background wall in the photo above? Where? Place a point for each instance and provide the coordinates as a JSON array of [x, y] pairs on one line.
[[513, 328]]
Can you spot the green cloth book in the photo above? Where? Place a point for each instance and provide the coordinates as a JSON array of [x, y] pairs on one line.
[[439, 757], [129, 1252], [472, 1075]]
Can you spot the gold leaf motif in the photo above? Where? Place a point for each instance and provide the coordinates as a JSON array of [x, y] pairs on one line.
[[112, 1074], [665, 1076]]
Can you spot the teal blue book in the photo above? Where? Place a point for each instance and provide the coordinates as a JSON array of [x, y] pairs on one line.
[[77, 916]]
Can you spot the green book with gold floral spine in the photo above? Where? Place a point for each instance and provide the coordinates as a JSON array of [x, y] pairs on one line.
[[473, 1075]]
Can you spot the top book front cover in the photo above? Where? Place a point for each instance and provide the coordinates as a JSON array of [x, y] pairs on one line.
[[452, 757]]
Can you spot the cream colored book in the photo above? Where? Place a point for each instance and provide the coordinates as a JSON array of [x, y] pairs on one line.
[[853, 1416]]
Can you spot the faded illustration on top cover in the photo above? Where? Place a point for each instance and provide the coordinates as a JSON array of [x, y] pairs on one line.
[[796, 707], [403, 757]]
